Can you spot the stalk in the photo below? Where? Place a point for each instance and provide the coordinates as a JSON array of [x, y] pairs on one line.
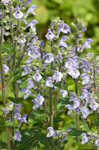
[[77, 115], [76, 89], [3, 87]]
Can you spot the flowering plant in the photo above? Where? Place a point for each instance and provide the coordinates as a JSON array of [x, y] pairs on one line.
[[43, 80]]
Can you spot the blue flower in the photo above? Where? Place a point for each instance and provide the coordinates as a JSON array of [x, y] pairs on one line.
[[49, 82], [38, 101], [37, 76], [18, 14], [51, 132], [97, 142], [5, 1], [84, 138], [30, 10], [32, 25], [5, 68], [57, 76], [85, 112], [86, 44], [85, 78], [50, 35], [17, 136], [48, 57], [62, 42], [30, 83]]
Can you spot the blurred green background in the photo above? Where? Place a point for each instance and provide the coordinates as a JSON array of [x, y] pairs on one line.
[[70, 10]]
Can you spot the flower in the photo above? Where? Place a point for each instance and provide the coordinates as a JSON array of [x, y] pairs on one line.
[[97, 142], [30, 83], [27, 93], [51, 132], [34, 52], [70, 108], [28, 1], [17, 136], [64, 28], [49, 82], [50, 35], [62, 42], [86, 44], [18, 14], [5, 1], [48, 57], [85, 78], [30, 10], [5, 68], [74, 73], [26, 71], [85, 112], [37, 76], [63, 93], [23, 118], [32, 25], [38, 101], [94, 105], [72, 67], [57, 76], [10, 106], [84, 138], [21, 40]]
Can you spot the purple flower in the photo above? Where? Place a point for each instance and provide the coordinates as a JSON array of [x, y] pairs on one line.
[[26, 71], [62, 42], [72, 67], [70, 108], [32, 25], [27, 93], [63, 93], [85, 65], [5, 1], [23, 118], [18, 14], [85, 112], [86, 44], [84, 138], [17, 136], [38, 101], [48, 57], [5, 68], [51, 132], [17, 115], [30, 10], [30, 83], [64, 28], [37, 76], [27, 2], [10, 106], [29, 60], [57, 76], [49, 82], [74, 73], [5, 110], [34, 52], [97, 142], [50, 35], [94, 105], [85, 78], [21, 40]]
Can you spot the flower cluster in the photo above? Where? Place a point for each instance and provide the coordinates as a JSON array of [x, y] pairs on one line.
[[51, 76]]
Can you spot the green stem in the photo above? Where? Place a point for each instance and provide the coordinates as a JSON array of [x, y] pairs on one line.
[[77, 115], [3, 87]]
